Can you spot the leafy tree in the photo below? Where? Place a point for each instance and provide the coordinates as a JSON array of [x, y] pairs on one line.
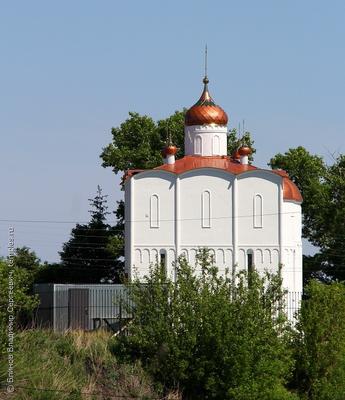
[[235, 141], [138, 142], [26, 259], [320, 343], [15, 284], [208, 336], [89, 254], [323, 190]]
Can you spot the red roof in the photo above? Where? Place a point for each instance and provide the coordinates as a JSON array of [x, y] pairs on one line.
[[291, 191], [225, 163], [188, 163]]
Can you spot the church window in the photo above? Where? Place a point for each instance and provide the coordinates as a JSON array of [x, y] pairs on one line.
[[154, 211], [257, 211], [216, 145], [250, 267], [198, 145], [163, 260], [206, 209]]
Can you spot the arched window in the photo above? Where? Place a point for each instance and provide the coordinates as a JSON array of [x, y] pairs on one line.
[[206, 209], [216, 145], [154, 211], [257, 211], [198, 145]]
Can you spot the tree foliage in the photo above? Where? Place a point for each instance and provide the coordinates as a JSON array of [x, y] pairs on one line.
[[90, 254], [320, 343], [323, 190], [137, 143], [208, 336], [16, 299]]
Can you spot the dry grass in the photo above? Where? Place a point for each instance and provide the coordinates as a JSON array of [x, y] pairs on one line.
[[73, 366]]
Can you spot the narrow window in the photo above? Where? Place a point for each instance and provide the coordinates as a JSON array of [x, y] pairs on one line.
[[154, 211], [257, 211], [250, 268], [206, 209], [163, 261], [198, 145], [216, 145]]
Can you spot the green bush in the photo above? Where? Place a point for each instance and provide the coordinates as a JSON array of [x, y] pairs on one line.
[[320, 343], [208, 336], [19, 281]]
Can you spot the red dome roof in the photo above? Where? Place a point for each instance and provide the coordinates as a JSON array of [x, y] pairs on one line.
[[169, 150], [205, 111], [244, 151]]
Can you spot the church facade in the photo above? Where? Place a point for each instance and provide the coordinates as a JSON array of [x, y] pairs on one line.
[[249, 218]]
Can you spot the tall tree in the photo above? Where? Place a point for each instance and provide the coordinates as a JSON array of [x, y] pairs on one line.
[[323, 190], [88, 253]]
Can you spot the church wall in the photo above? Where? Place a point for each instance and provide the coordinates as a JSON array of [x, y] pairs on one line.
[[292, 220], [292, 246], [206, 208], [258, 209], [153, 210]]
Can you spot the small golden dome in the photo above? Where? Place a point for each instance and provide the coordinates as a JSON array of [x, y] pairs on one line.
[[205, 111], [244, 150], [169, 150]]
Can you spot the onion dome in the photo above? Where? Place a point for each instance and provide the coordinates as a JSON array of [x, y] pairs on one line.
[[205, 111], [169, 150], [244, 151]]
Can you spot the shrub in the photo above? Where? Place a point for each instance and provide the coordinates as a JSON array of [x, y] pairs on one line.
[[209, 336], [320, 342], [19, 280]]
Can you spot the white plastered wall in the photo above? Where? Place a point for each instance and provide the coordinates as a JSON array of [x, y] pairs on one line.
[[205, 140], [230, 230]]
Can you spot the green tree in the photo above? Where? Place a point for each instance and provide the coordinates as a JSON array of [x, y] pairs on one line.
[[89, 255], [16, 279], [235, 141], [208, 336], [26, 259], [138, 142], [320, 343], [323, 190]]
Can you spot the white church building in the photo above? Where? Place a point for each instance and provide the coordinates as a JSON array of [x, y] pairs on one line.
[[247, 216]]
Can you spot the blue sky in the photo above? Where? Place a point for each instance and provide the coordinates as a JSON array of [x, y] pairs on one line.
[[70, 70]]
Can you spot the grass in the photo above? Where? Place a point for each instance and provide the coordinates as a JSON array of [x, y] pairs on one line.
[[72, 366]]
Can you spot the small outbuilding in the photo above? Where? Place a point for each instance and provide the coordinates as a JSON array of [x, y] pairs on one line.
[[81, 306]]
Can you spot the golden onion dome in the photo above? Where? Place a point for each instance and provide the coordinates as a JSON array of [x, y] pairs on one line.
[[205, 111], [169, 150], [244, 150]]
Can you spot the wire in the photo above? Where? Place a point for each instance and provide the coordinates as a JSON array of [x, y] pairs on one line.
[[145, 220]]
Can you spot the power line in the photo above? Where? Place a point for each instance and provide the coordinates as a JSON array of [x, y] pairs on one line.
[[144, 220]]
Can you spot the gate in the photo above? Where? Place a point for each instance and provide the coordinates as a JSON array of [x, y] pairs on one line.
[[78, 309]]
